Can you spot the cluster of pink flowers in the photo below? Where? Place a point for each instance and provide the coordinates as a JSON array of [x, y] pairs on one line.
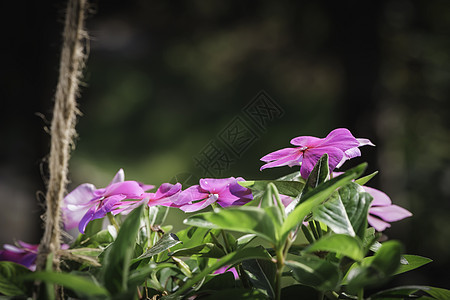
[[86, 202]]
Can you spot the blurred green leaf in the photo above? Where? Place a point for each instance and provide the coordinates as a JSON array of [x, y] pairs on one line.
[[297, 291], [157, 214], [244, 240], [339, 244], [315, 272], [236, 293], [409, 291], [118, 255], [248, 219], [11, 275], [411, 262], [70, 281], [376, 269], [261, 274]]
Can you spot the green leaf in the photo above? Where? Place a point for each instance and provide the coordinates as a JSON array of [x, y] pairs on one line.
[[346, 211], [139, 275], [339, 244], [376, 269], [165, 242], [244, 240], [11, 283], [118, 255], [357, 204], [315, 272], [411, 262], [295, 176], [203, 250], [248, 219], [157, 214], [297, 291], [333, 214], [365, 179], [261, 274], [218, 282], [236, 293], [229, 259], [410, 291], [317, 196], [387, 259], [318, 175], [74, 282], [288, 188]]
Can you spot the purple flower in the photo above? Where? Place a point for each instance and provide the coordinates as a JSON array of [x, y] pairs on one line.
[[227, 269], [225, 192], [340, 145], [382, 210], [165, 195], [23, 253], [86, 203]]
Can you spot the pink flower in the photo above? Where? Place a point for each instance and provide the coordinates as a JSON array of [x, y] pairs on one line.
[[227, 269], [340, 145], [86, 202], [225, 192], [23, 253], [383, 211], [165, 195]]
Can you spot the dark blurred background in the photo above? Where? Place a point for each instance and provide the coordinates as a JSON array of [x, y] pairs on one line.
[[205, 88]]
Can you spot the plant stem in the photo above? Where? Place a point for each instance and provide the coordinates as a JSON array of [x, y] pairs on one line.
[[361, 294], [280, 267], [113, 221], [149, 227]]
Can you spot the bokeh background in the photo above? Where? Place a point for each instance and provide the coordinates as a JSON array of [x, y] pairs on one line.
[[167, 80]]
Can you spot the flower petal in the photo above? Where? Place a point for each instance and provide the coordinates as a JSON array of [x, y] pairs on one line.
[[191, 194], [198, 205], [340, 138], [312, 156], [280, 154], [290, 160], [81, 195], [130, 189], [216, 186], [306, 141], [119, 177], [378, 224], [364, 142], [379, 198], [390, 213]]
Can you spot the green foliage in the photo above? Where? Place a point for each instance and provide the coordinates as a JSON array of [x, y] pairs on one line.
[[11, 279], [119, 254], [78, 284], [341, 259]]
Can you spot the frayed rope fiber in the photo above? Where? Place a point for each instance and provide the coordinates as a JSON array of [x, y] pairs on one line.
[[62, 130]]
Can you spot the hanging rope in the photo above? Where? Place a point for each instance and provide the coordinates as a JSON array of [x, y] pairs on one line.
[[63, 128]]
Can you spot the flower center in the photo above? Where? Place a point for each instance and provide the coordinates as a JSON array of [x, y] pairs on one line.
[[214, 196]]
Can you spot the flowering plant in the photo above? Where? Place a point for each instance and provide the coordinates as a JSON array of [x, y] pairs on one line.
[[312, 234]]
